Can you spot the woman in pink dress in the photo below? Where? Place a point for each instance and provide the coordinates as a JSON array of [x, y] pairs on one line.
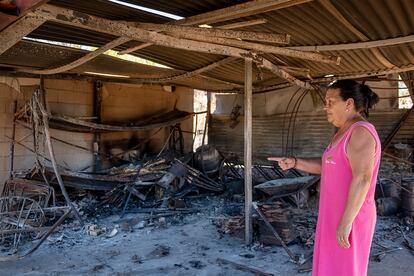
[[348, 168]]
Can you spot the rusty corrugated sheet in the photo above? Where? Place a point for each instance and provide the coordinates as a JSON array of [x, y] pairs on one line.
[[310, 139]]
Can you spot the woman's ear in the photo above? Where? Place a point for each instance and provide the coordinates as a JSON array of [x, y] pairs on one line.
[[350, 104]]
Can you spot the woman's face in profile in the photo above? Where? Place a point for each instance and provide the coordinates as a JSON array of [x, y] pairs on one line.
[[335, 107]]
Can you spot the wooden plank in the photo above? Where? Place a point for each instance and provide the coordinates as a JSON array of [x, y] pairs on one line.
[[364, 75], [215, 32], [15, 32], [313, 56], [357, 45], [12, 142], [24, 7], [49, 145], [243, 24], [227, 27], [239, 11], [135, 48], [97, 112], [189, 74], [280, 72], [248, 190], [112, 44], [163, 120], [233, 12]]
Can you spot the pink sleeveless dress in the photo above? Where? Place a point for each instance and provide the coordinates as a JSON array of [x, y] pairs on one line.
[[329, 259]]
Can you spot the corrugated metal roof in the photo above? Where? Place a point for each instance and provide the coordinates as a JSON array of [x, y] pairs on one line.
[[308, 24], [186, 8], [112, 11], [27, 54]]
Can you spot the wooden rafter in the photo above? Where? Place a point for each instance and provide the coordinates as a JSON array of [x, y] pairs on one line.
[[313, 56], [365, 75], [19, 29], [358, 45], [213, 32], [72, 18], [242, 24], [239, 11], [135, 81], [82, 60], [233, 12], [194, 72], [227, 27], [23, 8], [235, 85], [135, 48], [334, 11], [280, 72]]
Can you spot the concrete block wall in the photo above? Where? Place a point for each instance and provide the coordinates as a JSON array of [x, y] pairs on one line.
[[121, 103]]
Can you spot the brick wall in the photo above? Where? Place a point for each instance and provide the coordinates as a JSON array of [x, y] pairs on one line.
[[121, 103]]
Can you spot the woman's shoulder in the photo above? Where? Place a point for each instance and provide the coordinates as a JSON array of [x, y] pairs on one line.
[[364, 130], [364, 124]]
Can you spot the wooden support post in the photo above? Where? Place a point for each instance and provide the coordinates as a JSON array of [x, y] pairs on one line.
[[12, 140], [97, 112], [248, 91], [207, 122], [49, 145]]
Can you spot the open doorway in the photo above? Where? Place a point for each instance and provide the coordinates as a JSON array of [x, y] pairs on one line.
[[200, 105]]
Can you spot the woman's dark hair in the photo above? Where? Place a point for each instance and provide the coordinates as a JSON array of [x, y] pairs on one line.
[[364, 98]]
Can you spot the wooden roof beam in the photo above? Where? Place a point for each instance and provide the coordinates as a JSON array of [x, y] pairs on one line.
[[365, 75], [194, 72], [214, 32], [227, 27], [233, 12], [82, 60], [239, 11], [242, 24], [19, 29], [313, 56], [74, 18], [68, 76], [23, 7], [358, 45]]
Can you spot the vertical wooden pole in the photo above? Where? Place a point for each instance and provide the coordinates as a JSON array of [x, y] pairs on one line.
[[207, 122], [248, 150], [97, 112], [40, 99], [12, 140]]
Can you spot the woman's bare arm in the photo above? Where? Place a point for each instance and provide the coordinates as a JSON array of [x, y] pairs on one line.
[[307, 165]]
